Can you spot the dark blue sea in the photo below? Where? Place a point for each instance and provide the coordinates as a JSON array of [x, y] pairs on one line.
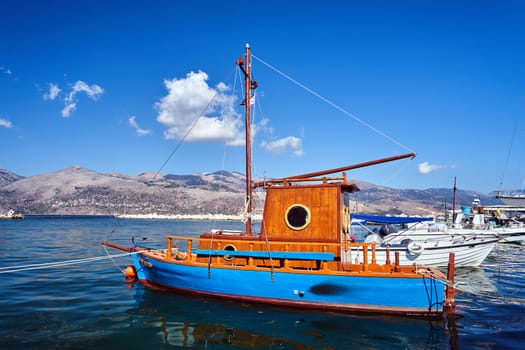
[[83, 301]]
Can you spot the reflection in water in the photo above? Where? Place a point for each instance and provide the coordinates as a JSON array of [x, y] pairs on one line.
[[187, 321], [474, 280]]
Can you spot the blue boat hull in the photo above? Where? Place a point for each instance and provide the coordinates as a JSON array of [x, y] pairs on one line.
[[305, 289]]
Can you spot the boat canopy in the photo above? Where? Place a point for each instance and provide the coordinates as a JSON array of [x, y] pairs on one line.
[[370, 219]]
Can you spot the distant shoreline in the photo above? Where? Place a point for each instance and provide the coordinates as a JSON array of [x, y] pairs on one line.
[[187, 217], [221, 217]]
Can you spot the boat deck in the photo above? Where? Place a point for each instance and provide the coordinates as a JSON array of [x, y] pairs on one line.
[[326, 260]]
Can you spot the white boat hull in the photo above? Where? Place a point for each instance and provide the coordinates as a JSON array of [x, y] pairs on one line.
[[468, 252], [513, 201], [505, 235]]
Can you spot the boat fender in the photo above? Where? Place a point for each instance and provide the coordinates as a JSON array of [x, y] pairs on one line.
[[131, 273], [415, 248], [346, 220]]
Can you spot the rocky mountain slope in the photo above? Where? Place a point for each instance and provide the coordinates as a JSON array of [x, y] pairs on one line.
[[80, 191], [7, 177]]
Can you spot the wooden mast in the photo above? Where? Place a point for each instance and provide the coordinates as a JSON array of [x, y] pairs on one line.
[[247, 106]]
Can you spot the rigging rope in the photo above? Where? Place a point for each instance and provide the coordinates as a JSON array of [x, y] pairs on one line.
[[269, 250], [199, 115], [353, 116], [179, 144], [216, 209], [245, 214], [508, 154]]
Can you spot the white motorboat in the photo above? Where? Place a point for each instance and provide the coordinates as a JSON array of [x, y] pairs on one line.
[[418, 245]]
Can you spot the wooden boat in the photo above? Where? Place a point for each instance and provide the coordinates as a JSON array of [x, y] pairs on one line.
[[424, 245], [296, 260]]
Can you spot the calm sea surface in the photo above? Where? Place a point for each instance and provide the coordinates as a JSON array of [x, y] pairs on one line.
[[88, 305]]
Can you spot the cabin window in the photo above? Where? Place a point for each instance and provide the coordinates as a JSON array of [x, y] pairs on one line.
[[229, 247], [297, 217]]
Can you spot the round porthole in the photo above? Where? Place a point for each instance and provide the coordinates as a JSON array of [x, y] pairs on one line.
[[229, 247], [297, 217]]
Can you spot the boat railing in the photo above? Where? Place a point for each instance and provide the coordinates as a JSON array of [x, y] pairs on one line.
[[329, 255]]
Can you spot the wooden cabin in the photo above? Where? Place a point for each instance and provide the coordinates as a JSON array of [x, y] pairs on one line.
[[306, 218], [308, 212]]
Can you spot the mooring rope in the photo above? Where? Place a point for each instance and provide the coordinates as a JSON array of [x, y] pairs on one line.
[[491, 295], [464, 287], [20, 268], [497, 267], [432, 275]]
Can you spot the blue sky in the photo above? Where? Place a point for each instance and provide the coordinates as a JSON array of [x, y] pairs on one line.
[[114, 85]]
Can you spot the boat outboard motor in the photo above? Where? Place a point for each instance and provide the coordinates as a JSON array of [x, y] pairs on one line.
[[387, 229]]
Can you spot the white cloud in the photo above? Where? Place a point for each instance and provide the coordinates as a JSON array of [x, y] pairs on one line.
[[68, 109], [70, 102], [5, 123], [133, 123], [5, 70], [53, 92], [198, 112], [94, 91], [425, 167], [287, 144]]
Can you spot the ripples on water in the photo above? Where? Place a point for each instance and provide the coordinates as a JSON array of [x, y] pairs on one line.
[[89, 306]]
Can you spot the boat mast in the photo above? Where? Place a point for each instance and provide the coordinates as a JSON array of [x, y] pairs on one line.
[[454, 203], [249, 85]]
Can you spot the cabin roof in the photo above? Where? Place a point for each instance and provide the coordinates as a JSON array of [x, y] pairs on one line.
[[311, 182]]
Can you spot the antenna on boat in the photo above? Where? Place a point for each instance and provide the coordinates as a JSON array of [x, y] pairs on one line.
[[249, 85]]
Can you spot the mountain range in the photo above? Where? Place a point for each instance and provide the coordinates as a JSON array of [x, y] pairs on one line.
[[79, 191]]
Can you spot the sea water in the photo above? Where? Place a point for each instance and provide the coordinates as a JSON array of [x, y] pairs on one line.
[[84, 302]]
